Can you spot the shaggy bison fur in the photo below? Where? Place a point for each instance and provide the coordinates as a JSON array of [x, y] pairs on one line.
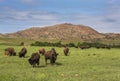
[[34, 59], [23, 52], [10, 51], [51, 55], [66, 51]]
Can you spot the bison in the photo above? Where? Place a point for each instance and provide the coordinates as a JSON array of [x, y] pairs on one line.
[[22, 44], [108, 47], [104, 47], [85, 47], [42, 51], [66, 51], [51, 55], [10, 51], [34, 59], [23, 52]]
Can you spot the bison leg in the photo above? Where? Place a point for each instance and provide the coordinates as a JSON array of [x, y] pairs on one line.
[[34, 64], [52, 60], [20, 55], [10, 54], [65, 54], [14, 53], [24, 55], [38, 63]]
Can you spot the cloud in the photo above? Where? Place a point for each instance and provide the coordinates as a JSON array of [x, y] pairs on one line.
[[27, 1], [110, 20], [102, 23], [11, 14], [107, 22]]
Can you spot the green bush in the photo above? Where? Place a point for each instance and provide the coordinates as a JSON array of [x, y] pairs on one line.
[[58, 44], [37, 43]]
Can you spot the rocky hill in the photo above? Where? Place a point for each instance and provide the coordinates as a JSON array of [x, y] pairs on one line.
[[60, 31], [64, 31], [112, 36]]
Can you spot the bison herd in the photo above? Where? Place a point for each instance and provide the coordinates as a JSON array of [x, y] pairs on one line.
[[50, 55], [98, 47], [35, 57]]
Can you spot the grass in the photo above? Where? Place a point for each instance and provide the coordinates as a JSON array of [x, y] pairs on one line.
[[81, 65], [15, 41]]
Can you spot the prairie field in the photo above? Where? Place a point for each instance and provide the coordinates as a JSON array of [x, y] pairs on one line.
[[81, 65]]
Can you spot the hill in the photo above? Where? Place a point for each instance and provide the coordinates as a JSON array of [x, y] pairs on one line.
[[60, 31], [65, 32], [112, 36]]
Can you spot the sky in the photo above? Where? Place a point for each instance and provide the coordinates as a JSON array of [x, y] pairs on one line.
[[101, 15]]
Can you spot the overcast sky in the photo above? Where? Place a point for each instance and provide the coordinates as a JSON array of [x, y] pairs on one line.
[[101, 15]]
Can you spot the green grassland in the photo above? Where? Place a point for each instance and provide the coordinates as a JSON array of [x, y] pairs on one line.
[[81, 65], [15, 41]]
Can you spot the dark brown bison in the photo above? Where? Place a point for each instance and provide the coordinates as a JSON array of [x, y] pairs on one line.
[[23, 52], [51, 55], [108, 47], [22, 44], [42, 51], [66, 51], [98, 47], [34, 59], [104, 47], [10, 51], [85, 47]]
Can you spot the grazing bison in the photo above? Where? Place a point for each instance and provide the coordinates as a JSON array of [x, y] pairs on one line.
[[10, 51], [22, 44], [51, 55], [98, 47], [22, 52], [85, 47], [104, 47], [108, 47], [34, 59], [42, 51], [66, 51]]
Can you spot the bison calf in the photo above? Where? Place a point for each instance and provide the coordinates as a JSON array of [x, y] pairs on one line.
[[51, 55], [22, 52], [34, 59]]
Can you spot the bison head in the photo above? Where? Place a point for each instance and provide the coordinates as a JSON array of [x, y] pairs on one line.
[[30, 61], [54, 57]]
